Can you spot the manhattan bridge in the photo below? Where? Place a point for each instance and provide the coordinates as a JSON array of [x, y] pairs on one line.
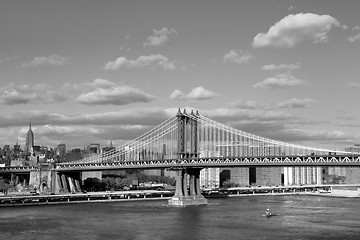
[[189, 142]]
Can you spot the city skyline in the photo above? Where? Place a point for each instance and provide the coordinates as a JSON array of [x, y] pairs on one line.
[[89, 71]]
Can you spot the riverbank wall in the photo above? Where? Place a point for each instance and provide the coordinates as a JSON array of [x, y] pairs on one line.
[[95, 197]]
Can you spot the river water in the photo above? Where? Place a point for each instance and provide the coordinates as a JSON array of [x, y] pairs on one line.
[[298, 217]]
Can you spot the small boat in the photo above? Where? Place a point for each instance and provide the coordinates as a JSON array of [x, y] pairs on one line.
[[269, 213]]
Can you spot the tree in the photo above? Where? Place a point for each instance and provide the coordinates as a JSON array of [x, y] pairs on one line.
[[93, 184], [4, 186]]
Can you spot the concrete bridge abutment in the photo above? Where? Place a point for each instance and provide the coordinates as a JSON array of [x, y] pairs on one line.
[[187, 190]]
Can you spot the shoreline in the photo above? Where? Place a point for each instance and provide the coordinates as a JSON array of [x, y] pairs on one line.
[[78, 198], [128, 196]]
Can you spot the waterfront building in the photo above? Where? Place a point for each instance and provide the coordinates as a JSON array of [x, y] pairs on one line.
[[351, 174], [237, 177], [303, 175], [270, 176], [29, 140], [210, 177], [242, 176]]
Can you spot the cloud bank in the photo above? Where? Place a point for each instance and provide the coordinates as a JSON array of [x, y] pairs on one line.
[[159, 37], [282, 80], [237, 57], [142, 61], [198, 93], [107, 92], [55, 60]]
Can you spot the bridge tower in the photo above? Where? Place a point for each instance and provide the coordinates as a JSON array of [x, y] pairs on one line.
[[188, 190]]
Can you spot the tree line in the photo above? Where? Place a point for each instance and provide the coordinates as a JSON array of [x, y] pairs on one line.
[[121, 182]]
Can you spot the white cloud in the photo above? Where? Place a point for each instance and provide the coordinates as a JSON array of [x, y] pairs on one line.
[[292, 66], [354, 38], [25, 94], [198, 93], [107, 92], [159, 37], [238, 58], [280, 81], [296, 103], [142, 61], [248, 104], [101, 83], [177, 94], [50, 60], [295, 28]]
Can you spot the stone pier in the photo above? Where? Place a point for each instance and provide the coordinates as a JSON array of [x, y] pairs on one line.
[[187, 188], [187, 178]]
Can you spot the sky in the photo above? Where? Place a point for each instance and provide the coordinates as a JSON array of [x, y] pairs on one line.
[[86, 71]]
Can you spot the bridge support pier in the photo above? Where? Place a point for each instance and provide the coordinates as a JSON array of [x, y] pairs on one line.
[[187, 188]]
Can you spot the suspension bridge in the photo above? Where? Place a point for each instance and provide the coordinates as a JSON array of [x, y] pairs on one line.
[[188, 142]]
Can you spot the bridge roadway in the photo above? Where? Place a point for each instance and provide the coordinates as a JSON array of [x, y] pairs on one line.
[[258, 161]]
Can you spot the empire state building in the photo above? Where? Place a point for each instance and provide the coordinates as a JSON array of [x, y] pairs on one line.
[[29, 140]]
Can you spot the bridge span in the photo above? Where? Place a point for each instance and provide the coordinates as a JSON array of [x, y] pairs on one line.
[[222, 162], [189, 142]]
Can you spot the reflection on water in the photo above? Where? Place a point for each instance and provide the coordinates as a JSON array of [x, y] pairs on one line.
[[298, 217]]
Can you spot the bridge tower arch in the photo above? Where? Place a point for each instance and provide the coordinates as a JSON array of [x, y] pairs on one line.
[[188, 190]]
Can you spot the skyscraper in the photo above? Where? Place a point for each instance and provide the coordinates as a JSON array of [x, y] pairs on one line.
[[29, 140]]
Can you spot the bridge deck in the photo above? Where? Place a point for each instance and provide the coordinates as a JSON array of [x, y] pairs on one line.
[[260, 161]]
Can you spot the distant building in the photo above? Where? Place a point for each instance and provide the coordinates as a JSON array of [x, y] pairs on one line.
[[353, 149], [109, 148], [17, 148], [60, 152], [29, 140], [73, 155], [94, 148]]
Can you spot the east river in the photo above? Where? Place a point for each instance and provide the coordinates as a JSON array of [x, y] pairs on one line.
[[298, 217]]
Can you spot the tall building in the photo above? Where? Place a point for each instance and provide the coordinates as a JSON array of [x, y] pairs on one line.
[[17, 149], [108, 148], [29, 140], [60, 152], [210, 177]]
